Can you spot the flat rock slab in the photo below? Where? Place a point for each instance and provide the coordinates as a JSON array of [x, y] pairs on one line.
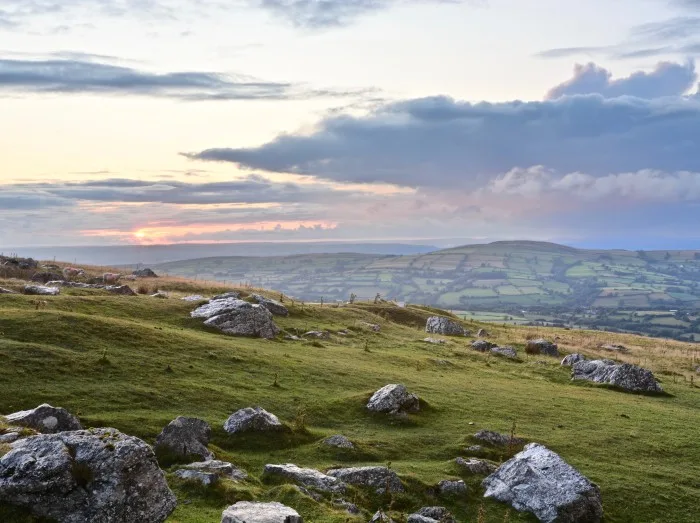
[[223, 469], [377, 478], [185, 439], [251, 512], [252, 419], [41, 290], [444, 326], [539, 481], [45, 419], [310, 478], [626, 376], [393, 399]]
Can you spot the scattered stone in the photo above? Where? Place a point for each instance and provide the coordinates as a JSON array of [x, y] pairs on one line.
[[227, 295], [121, 290], [432, 515], [45, 419], [444, 326], [88, 475], [252, 419], [292, 337], [144, 273], [371, 326], [476, 466], [319, 335], [275, 307], [238, 318], [506, 352], [338, 441], [434, 340], [205, 478], [194, 297], [497, 439], [626, 376], [380, 517], [482, 333], [254, 512], [393, 399], [569, 360], [449, 487], [483, 345], [539, 481], [223, 469], [45, 277], [307, 477], [6, 291], [377, 478], [542, 346], [615, 348], [41, 290], [185, 439]]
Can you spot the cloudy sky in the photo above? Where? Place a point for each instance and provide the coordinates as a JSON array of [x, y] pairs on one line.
[[160, 121]]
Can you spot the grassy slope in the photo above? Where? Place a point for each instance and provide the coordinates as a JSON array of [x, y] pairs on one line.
[[105, 358]]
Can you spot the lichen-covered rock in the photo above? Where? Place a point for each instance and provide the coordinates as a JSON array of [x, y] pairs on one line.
[[444, 326], [45, 419], [252, 419], [539, 481], [476, 466], [253, 512], [431, 515], [506, 352], [569, 360], [483, 345], [393, 399], [497, 439], [223, 469], [41, 290], [541, 346], [238, 318], [450, 487], [185, 439], [377, 478], [338, 441], [98, 475], [626, 376], [309, 478], [275, 307]]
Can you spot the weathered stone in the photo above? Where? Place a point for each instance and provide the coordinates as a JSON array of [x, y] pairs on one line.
[[205, 478], [449, 487], [483, 345], [238, 318], [431, 515], [253, 512], [144, 273], [497, 439], [121, 290], [506, 352], [539, 481], [443, 326], [569, 360], [434, 341], [45, 419], [626, 376], [541, 346], [98, 475], [476, 466], [310, 478], [9, 437], [275, 307], [219, 306], [377, 478], [41, 290], [252, 419], [338, 441], [222, 469], [185, 439], [393, 399]]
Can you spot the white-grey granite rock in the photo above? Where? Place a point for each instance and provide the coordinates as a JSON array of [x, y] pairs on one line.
[[338, 441], [431, 515], [223, 469], [451, 487], [254, 512], [541, 346], [252, 419], [626, 376], [199, 476], [45, 419], [275, 307], [393, 399], [443, 326], [238, 318], [185, 439]]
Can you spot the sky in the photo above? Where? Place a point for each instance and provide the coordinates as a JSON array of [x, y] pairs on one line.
[[171, 121]]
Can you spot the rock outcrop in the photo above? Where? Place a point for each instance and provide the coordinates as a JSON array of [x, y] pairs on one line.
[[539, 481], [275, 307], [41, 290], [541, 346], [45, 419], [238, 318], [378, 478], [185, 439], [626, 376], [98, 475], [393, 399], [571, 359], [252, 419], [444, 326], [309, 478], [252, 512]]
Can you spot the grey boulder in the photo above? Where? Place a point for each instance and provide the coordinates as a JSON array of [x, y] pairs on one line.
[[99, 475], [541, 346], [506, 352], [238, 318], [185, 439], [120, 290], [571, 359], [145, 273], [253, 512], [393, 399], [626, 376], [539, 481], [377, 478], [45, 419], [275, 307], [444, 326], [450, 487], [41, 290], [309, 478], [222, 469], [252, 419], [483, 345]]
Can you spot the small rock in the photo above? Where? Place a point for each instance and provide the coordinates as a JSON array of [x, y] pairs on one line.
[[275, 307], [506, 352], [40, 290], [160, 295], [434, 340], [626, 376], [252, 419], [375, 477], [205, 478], [338, 441], [185, 439], [371, 326], [476, 466], [223, 469], [569, 360], [351, 508], [319, 335], [432, 515], [121, 290], [542, 346], [393, 399], [307, 477], [497, 439], [443, 326], [483, 345], [232, 295], [254, 512], [482, 333], [45, 419], [475, 449], [449, 487]]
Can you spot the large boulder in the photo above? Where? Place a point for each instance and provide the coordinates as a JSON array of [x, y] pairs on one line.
[[569, 360], [539, 481], [185, 439], [145, 273], [45, 419], [393, 399], [275, 307], [238, 318], [444, 326], [253, 512], [309, 478], [252, 419], [541, 346], [626, 376], [98, 475], [378, 478], [41, 290]]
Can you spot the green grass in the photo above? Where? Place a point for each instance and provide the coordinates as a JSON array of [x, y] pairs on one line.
[[105, 358]]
